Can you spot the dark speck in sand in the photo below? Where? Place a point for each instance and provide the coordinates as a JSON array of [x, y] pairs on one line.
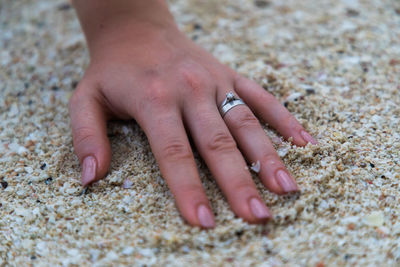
[[49, 180], [4, 184]]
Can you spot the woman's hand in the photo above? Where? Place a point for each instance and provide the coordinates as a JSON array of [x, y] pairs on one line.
[[152, 73]]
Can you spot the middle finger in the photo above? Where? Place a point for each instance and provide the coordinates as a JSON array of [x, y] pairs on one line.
[[217, 147]]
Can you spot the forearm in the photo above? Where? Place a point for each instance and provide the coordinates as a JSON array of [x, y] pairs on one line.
[[100, 18]]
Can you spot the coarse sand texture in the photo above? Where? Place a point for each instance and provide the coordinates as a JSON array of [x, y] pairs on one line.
[[334, 64]]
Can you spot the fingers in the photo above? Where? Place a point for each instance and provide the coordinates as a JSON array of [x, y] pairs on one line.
[[89, 131], [218, 149], [267, 107], [256, 146], [171, 148]]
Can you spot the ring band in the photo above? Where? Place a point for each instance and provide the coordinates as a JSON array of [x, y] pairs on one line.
[[230, 102]]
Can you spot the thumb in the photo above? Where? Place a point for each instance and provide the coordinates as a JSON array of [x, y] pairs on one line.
[[89, 131]]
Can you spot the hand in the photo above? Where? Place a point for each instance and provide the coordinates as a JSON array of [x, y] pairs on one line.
[[172, 88]]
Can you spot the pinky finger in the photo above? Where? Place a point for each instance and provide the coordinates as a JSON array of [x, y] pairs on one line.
[[267, 107]]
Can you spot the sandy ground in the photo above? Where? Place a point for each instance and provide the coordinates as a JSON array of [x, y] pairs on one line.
[[335, 65]]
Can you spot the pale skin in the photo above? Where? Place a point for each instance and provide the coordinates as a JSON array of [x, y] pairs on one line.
[[143, 68]]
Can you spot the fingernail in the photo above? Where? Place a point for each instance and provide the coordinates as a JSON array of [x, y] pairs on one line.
[[308, 138], [286, 182], [258, 209], [88, 170], [205, 216]]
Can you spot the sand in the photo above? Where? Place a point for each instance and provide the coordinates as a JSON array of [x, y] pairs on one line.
[[334, 64]]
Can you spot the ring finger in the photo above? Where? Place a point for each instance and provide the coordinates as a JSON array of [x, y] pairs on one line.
[[218, 148], [257, 147]]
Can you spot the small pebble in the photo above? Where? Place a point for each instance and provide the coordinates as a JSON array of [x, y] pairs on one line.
[[128, 250], [276, 140], [84, 191], [4, 184], [394, 62], [74, 84], [43, 166], [197, 26], [376, 218], [352, 12], [310, 91], [282, 151], [64, 7], [261, 3], [127, 183], [256, 167]]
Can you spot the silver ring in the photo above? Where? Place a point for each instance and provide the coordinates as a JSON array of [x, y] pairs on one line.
[[230, 102]]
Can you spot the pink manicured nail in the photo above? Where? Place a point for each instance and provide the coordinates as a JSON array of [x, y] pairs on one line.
[[258, 209], [88, 170], [286, 182], [205, 216], [308, 138]]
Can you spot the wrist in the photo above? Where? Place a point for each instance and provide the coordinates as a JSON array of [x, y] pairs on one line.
[[114, 21], [122, 33]]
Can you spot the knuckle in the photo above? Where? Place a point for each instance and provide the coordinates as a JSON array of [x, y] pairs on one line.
[[175, 150], [244, 186], [245, 120], [221, 142], [290, 122], [271, 160], [156, 94], [191, 190], [82, 135], [194, 78]]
